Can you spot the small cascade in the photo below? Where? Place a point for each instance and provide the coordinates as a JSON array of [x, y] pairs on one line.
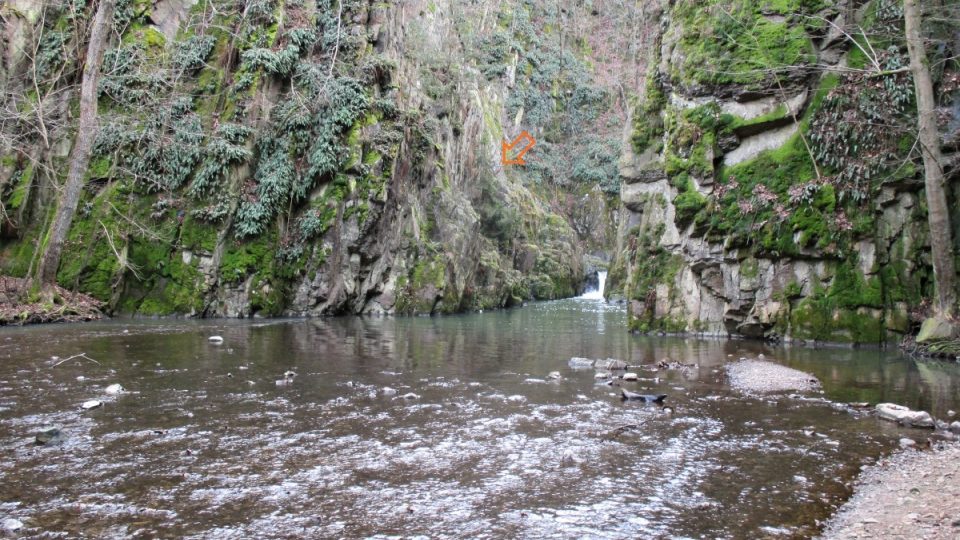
[[597, 294]]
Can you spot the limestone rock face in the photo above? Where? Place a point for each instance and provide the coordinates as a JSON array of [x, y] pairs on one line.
[[729, 227]]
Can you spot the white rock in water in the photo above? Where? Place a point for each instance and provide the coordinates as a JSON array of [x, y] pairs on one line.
[[630, 376], [554, 375], [906, 443], [215, 339], [800, 479], [80, 378], [92, 404], [951, 413], [387, 391], [289, 374], [411, 395], [12, 525], [113, 389], [580, 363], [284, 382], [601, 375], [903, 415], [955, 427]]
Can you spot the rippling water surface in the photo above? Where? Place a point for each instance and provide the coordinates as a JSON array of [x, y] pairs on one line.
[[205, 443]]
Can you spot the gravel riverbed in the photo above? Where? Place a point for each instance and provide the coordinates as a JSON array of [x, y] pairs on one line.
[[911, 494], [759, 376]]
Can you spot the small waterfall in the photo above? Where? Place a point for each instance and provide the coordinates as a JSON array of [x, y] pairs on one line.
[[597, 294]]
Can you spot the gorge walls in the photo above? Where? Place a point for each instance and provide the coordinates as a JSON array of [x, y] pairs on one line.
[[772, 187], [289, 157]]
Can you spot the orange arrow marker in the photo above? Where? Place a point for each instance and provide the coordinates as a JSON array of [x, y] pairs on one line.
[[505, 148]]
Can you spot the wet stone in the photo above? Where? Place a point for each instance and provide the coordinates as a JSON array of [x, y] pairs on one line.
[[580, 363], [12, 525], [49, 437]]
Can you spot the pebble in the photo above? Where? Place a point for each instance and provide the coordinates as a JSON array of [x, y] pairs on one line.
[[91, 404], [215, 339]]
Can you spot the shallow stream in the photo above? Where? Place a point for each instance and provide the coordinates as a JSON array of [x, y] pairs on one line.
[[206, 443]]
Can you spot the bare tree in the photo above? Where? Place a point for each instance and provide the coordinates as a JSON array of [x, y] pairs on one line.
[[82, 148], [938, 213]]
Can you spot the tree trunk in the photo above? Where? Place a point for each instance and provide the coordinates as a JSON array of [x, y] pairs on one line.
[[941, 243], [82, 147]]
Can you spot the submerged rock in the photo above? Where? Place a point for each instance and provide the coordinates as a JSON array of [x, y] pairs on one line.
[[627, 395], [49, 436], [610, 363], [580, 363], [906, 443], [904, 416], [12, 525]]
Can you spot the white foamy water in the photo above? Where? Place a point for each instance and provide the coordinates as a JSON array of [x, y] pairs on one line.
[[597, 294]]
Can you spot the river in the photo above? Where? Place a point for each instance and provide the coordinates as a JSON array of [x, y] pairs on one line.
[[206, 443]]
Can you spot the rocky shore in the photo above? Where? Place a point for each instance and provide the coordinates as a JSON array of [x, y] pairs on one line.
[[912, 494], [66, 306]]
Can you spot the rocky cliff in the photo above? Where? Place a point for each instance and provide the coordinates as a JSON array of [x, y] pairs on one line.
[[295, 157], [771, 178]]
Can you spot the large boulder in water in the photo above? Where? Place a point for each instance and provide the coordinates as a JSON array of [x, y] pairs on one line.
[[905, 416]]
